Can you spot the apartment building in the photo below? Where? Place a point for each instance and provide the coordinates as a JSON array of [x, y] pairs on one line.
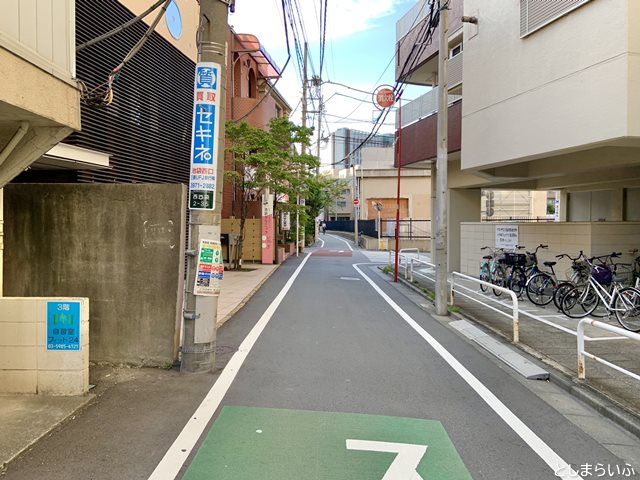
[[543, 96]]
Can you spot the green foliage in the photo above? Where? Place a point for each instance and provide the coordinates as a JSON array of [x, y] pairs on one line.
[[267, 160]]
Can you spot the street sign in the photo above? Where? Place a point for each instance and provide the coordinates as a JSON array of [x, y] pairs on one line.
[[384, 97], [204, 137], [356, 201]]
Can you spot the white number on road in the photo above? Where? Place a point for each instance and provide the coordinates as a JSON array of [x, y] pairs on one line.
[[403, 466]]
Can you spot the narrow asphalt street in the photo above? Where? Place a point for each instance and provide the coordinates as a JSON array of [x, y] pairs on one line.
[[331, 371]]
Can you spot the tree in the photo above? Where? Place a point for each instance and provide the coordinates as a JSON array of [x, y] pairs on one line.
[[266, 160], [322, 192]]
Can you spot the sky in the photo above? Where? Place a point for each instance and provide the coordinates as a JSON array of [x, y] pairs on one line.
[[359, 55]]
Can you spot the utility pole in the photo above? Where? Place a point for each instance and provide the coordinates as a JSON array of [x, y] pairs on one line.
[[200, 311], [303, 147], [441, 165]]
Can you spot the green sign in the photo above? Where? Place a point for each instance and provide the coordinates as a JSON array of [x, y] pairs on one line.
[[201, 199], [271, 444], [206, 255]]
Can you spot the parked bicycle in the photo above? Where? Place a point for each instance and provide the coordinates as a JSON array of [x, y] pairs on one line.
[[491, 269], [602, 288], [525, 266], [544, 287]]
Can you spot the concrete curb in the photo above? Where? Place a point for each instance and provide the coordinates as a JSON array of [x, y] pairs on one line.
[[559, 375], [245, 299]]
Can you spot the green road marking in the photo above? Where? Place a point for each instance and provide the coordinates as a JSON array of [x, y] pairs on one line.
[[271, 444]]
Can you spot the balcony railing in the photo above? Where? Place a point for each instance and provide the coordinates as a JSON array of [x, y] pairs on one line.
[[422, 107], [411, 19]]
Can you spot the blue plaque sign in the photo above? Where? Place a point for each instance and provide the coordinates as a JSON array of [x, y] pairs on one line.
[[63, 325]]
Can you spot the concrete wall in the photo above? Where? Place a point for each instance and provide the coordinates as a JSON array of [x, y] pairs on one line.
[[594, 238], [521, 102], [417, 190], [26, 366], [121, 246]]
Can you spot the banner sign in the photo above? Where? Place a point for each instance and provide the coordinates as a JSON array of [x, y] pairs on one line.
[[204, 137], [285, 221], [210, 268], [63, 325]]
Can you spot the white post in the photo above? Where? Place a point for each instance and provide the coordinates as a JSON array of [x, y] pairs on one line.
[[441, 166]]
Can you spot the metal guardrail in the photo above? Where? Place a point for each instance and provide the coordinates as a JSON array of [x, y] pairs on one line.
[[403, 258], [515, 317], [582, 353]]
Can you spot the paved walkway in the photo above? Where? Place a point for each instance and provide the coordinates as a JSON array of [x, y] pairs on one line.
[[24, 419]]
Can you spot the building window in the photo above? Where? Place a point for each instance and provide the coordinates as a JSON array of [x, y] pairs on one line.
[[457, 50], [535, 14], [589, 206], [253, 86]]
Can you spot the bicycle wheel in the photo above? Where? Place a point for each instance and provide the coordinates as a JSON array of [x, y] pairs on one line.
[[627, 308], [579, 302], [540, 289], [498, 278], [517, 281], [485, 275], [560, 292]]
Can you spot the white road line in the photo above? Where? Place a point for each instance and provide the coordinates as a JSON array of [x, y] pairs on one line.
[[340, 238], [550, 457], [321, 246], [170, 465]]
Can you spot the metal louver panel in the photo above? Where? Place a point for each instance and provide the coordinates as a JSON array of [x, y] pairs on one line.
[[535, 14], [147, 128]]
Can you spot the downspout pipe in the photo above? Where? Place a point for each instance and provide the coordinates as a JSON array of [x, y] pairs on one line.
[[13, 143]]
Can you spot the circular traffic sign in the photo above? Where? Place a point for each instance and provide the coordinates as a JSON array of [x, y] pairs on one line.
[[356, 201], [384, 96]]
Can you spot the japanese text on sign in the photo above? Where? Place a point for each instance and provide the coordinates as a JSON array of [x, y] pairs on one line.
[[210, 268], [204, 146], [506, 236], [63, 325]]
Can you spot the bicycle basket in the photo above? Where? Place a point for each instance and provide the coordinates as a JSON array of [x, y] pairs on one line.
[[531, 260], [602, 274], [515, 259]]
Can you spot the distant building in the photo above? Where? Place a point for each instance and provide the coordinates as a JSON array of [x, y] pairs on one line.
[[346, 140]]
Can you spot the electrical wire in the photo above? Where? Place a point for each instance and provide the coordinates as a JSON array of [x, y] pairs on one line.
[[120, 28], [102, 95], [424, 39]]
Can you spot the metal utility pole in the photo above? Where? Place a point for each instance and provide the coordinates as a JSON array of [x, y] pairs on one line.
[[356, 201], [399, 149], [441, 166], [303, 147], [200, 311]]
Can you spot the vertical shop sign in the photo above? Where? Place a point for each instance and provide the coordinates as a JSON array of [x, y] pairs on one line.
[[204, 137], [210, 268]]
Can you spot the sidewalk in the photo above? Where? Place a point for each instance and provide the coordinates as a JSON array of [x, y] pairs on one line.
[[24, 419], [554, 343]]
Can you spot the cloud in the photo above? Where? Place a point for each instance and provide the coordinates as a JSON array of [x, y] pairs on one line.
[[263, 18]]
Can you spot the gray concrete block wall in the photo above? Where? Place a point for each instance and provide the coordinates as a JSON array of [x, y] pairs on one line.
[[122, 246]]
